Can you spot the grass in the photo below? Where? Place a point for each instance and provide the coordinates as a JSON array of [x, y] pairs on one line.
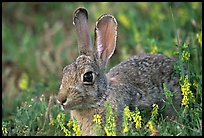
[[38, 40]]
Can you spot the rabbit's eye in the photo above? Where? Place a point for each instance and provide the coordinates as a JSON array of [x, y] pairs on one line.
[[88, 77]]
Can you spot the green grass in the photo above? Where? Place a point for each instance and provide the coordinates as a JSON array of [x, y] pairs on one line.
[[38, 40]]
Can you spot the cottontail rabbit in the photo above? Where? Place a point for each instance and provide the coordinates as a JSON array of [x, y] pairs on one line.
[[86, 88]]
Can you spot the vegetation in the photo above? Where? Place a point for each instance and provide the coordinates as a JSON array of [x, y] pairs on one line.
[[38, 40]]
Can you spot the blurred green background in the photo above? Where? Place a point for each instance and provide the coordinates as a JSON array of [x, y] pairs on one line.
[[39, 39]]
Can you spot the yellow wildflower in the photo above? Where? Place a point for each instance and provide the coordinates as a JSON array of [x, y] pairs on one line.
[[97, 119], [138, 122], [154, 111], [124, 20], [66, 131], [127, 113], [60, 120], [152, 128], [167, 53], [154, 49], [76, 128], [195, 5], [195, 83], [70, 123], [125, 129], [60, 117], [110, 126], [180, 80], [98, 128], [51, 122], [186, 92], [137, 118], [4, 131], [150, 125], [131, 116], [23, 82], [111, 121], [108, 132], [185, 56], [126, 116], [199, 37]]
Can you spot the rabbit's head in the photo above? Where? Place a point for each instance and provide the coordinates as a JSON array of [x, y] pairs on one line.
[[84, 82]]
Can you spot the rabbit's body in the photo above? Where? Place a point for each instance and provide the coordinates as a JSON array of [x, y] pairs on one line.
[[137, 82], [143, 78]]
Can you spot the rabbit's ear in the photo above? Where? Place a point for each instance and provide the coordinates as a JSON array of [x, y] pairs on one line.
[[105, 37], [80, 20]]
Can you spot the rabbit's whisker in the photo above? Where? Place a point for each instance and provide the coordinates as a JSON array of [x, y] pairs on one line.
[[62, 108], [58, 101], [60, 86]]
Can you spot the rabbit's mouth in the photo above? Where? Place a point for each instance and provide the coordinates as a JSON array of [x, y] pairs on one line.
[[68, 107], [75, 105], [71, 105]]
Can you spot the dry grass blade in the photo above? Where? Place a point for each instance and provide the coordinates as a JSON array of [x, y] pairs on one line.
[[47, 111]]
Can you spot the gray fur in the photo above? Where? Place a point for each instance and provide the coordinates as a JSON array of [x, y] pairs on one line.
[[137, 81]]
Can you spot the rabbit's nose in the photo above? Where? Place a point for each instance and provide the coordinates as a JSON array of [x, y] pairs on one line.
[[64, 101], [61, 99]]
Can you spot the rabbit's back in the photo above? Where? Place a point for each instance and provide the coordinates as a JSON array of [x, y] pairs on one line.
[[144, 76], [142, 71]]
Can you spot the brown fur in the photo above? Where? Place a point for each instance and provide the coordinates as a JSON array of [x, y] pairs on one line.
[[137, 81]]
